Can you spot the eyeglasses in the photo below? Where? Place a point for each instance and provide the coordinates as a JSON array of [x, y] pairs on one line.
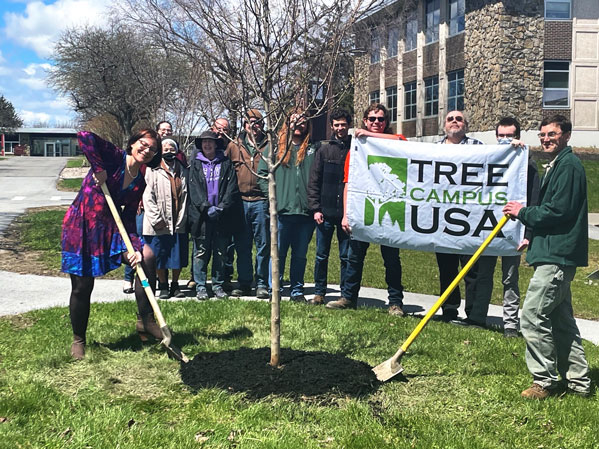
[[457, 118], [506, 136], [377, 119], [147, 146], [550, 134]]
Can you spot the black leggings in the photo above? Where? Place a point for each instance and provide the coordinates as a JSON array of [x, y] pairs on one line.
[[81, 291]]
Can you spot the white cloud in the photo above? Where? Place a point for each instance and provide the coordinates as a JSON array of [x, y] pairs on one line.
[[40, 26], [30, 117]]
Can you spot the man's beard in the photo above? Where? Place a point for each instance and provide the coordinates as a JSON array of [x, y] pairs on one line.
[[458, 133]]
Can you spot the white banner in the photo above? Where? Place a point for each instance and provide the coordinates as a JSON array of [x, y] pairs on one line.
[[432, 197]]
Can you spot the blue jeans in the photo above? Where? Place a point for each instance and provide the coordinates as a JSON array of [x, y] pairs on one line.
[[211, 245], [324, 236], [256, 228], [357, 253], [295, 231]]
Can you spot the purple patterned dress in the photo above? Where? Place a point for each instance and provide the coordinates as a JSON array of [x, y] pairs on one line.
[[91, 243]]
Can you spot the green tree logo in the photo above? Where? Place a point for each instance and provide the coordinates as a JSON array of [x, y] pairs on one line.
[[386, 185]]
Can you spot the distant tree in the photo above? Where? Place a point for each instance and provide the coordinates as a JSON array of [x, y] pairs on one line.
[[114, 71], [9, 119]]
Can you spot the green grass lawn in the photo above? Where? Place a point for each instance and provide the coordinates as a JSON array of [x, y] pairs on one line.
[[461, 386], [42, 232], [69, 184], [77, 162]]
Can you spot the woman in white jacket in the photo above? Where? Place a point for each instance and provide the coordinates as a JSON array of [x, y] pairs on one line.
[[165, 219]]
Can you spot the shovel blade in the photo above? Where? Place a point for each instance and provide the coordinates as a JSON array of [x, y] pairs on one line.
[[388, 369], [172, 350]]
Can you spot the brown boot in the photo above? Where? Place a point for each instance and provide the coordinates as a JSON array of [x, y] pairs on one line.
[[318, 300], [146, 325], [342, 303], [78, 347]]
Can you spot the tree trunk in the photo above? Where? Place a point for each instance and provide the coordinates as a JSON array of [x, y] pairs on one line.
[[275, 302]]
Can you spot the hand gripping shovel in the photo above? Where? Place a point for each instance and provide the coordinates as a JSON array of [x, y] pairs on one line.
[[166, 333], [392, 366]]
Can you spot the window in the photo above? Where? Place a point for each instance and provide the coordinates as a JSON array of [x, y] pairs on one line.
[[431, 96], [375, 97], [433, 16], [455, 91], [10, 142], [411, 31], [392, 102], [558, 9], [375, 47], [409, 101], [392, 41], [457, 11], [556, 81]]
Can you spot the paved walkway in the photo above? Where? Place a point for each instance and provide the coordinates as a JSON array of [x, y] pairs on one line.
[[29, 292]]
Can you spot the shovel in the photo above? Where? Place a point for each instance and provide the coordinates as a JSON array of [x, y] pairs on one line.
[[166, 333], [392, 366]]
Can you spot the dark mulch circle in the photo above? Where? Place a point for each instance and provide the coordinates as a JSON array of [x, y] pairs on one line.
[[302, 375]]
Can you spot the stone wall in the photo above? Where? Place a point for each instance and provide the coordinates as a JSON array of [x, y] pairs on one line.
[[504, 69], [361, 88]]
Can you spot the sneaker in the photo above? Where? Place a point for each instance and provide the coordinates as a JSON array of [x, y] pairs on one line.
[[469, 323], [298, 298], [318, 300], [342, 303], [395, 310], [219, 292], [242, 291], [535, 391], [227, 286], [262, 293], [163, 291], [201, 294], [175, 291], [128, 288], [191, 284], [449, 315], [510, 332]]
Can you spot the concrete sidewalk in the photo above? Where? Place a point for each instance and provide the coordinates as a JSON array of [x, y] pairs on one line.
[[29, 292]]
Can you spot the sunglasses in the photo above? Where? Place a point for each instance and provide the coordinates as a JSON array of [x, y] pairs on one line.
[[376, 119], [457, 118]]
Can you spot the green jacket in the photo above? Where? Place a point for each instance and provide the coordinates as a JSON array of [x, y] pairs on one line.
[[292, 183], [559, 223]]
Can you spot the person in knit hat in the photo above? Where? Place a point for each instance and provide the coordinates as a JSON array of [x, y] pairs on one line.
[[214, 211]]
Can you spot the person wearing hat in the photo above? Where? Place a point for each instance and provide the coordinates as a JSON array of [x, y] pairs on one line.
[[214, 211], [246, 154]]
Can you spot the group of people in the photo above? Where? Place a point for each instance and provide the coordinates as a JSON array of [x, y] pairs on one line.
[[221, 199]]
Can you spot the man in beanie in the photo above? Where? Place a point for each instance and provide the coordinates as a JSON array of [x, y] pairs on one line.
[[245, 153], [214, 211]]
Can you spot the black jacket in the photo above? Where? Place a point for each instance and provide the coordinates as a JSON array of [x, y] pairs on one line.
[[325, 187], [229, 200]]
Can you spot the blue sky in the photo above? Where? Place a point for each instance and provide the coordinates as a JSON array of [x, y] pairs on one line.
[[28, 31]]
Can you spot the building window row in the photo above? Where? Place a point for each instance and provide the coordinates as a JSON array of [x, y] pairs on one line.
[[392, 102], [556, 84], [432, 19]]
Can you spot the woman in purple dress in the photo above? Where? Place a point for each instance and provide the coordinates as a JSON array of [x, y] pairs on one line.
[[91, 243]]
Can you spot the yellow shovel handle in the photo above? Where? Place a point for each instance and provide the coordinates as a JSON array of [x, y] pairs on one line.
[[454, 284], [139, 270]]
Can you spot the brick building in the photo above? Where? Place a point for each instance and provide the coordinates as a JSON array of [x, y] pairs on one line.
[[491, 58]]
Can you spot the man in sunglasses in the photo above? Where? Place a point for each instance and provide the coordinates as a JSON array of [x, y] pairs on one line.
[[507, 131], [559, 244], [456, 126], [376, 124]]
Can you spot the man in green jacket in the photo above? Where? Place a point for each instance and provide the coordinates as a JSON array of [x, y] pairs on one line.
[[559, 244]]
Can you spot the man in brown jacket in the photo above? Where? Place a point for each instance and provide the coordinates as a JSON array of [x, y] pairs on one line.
[[246, 153]]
